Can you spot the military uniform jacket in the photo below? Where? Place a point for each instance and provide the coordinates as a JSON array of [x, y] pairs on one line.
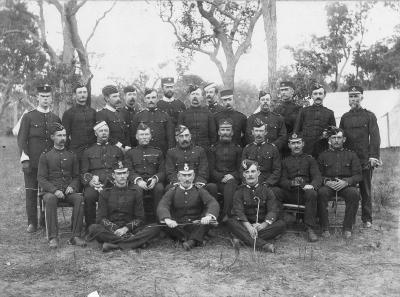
[[173, 108], [239, 124], [79, 122], [120, 207], [34, 135], [214, 108], [268, 159], [57, 170], [289, 110], [161, 127], [145, 162], [304, 166], [201, 125], [194, 156], [343, 164], [224, 158], [185, 205], [128, 113], [98, 160], [362, 134], [276, 127], [118, 128], [311, 122], [245, 204]]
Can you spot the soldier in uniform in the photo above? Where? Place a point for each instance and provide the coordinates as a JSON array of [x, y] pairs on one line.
[[199, 120], [79, 121], [212, 98], [276, 129], [160, 123], [58, 176], [313, 120], [341, 171], [33, 139], [300, 182], [187, 210], [362, 132], [96, 169], [265, 154], [119, 133], [168, 103], [255, 211], [121, 215], [195, 156], [238, 118], [146, 165], [224, 162], [129, 110]]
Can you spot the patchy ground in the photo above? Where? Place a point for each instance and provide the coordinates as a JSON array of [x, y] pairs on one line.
[[367, 265]]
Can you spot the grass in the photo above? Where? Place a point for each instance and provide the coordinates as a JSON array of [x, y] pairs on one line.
[[367, 265]]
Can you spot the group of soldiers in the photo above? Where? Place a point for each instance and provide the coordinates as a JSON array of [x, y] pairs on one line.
[[198, 166]]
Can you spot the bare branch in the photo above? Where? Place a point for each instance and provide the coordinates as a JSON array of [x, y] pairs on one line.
[[77, 7], [57, 4]]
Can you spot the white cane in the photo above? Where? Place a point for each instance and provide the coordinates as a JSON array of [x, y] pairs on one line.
[[258, 209]]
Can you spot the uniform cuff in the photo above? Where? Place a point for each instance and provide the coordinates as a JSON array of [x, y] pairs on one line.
[[118, 144], [136, 180]]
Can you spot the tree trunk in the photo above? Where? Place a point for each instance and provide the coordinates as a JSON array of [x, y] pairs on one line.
[[229, 76], [269, 16]]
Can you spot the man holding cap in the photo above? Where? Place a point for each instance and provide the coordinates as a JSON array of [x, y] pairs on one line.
[[211, 91], [119, 133], [121, 215], [363, 137], [58, 177], [129, 110], [168, 103], [228, 112], [187, 210], [33, 139], [96, 169]]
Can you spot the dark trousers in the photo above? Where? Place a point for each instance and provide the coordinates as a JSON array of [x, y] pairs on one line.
[[308, 198], [31, 192], [156, 194], [351, 198], [270, 232], [365, 191], [129, 241], [210, 187], [50, 208], [188, 232], [227, 189], [90, 196]]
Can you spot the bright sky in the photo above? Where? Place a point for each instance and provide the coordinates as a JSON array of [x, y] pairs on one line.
[[133, 38]]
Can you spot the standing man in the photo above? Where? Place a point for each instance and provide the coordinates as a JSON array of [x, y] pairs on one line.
[[129, 110], [119, 133], [212, 98], [362, 132], [255, 211], [238, 118], [187, 210], [79, 121], [33, 139], [341, 171], [224, 162], [300, 182], [147, 167], [160, 123], [313, 120], [276, 129], [96, 169], [199, 120], [288, 108], [58, 176], [168, 103]]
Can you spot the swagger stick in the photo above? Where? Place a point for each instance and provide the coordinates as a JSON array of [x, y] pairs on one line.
[[258, 209]]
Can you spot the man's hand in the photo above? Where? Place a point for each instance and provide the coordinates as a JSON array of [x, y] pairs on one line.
[[69, 190], [253, 231], [121, 231], [199, 185], [308, 187], [151, 182], [337, 185], [171, 223], [142, 184], [373, 162], [206, 220], [226, 178], [59, 194], [262, 226], [26, 168]]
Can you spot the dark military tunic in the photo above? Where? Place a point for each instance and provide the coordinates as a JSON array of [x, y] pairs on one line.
[[311, 122], [289, 110], [268, 159], [128, 113], [194, 156], [79, 122], [201, 125], [239, 124], [276, 129], [118, 127], [214, 108], [161, 127], [173, 108], [224, 158]]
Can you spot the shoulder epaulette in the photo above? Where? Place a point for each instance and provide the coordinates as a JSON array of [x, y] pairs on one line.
[[31, 110]]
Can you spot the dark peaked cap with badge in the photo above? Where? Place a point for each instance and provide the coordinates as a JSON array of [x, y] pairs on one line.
[[108, 90], [129, 89], [355, 89], [295, 137], [185, 168], [43, 88], [225, 122], [180, 129], [167, 81], [120, 167], [258, 123], [286, 84], [226, 93]]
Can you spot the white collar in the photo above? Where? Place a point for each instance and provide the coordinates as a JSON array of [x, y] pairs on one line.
[[168, 99], [110, 108], [41, 109]]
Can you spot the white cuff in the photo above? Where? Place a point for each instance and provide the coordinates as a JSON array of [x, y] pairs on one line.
[[155, 176], [127, 148], [136, 180], [118, 144], [212, 216], [24, 157]]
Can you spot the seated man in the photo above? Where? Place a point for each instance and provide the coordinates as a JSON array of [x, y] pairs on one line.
[[187, 210], [58, 176], [341, 171], [255, 211], [121, 214], [146, 166], [300, 181]]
